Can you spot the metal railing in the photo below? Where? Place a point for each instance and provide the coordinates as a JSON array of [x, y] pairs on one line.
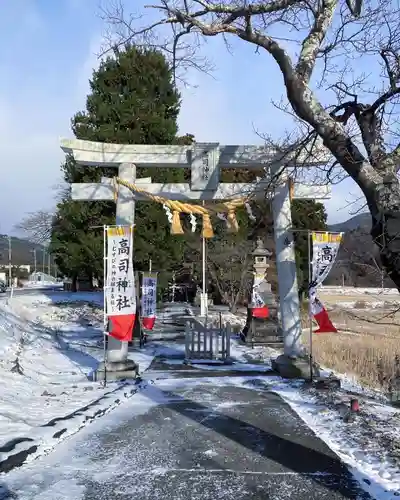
[[202, 343]]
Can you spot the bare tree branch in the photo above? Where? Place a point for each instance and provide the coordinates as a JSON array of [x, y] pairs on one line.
[[310, 38], [37, 226], [312, 42]]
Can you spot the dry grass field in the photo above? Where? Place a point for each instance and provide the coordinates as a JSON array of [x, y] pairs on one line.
[[367, 345]]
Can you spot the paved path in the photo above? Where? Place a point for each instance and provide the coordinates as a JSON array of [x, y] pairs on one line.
[[222, 442], [197, 437], [199, 441]]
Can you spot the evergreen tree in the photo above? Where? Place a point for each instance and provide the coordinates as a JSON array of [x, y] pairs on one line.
[[132, 101], [307, 215]]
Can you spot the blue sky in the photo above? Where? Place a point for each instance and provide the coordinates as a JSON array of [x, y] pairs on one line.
[[48, 51]]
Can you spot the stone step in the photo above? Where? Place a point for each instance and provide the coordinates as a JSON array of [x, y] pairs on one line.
[[276, 345]]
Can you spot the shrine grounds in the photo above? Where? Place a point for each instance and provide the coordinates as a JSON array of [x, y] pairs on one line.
[[367, 345]]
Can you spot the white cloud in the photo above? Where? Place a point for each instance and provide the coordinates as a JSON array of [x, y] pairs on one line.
[[90, 61]]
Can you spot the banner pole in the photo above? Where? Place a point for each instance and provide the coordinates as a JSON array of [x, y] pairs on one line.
[[139, 294], [309, 304], [105, 302]]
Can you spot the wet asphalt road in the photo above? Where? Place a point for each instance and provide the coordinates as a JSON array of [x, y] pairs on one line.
[[199, 441]]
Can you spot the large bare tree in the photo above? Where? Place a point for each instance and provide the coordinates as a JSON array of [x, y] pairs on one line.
[[37, 226], [349, 50]]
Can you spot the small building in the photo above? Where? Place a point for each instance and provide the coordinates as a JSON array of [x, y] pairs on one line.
[[40, 277]]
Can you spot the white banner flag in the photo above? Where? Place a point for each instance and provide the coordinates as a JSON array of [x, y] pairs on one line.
[[259, 309], [325, 247], [120, 282], [256, 299], [149, 300]]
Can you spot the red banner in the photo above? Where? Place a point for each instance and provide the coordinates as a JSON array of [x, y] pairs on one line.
[[321, 316]]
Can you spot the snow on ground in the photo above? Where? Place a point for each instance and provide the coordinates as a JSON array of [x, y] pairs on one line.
[[236, 320], [49, 346], [371, 465], [370, 445], [375, 466], [361, 305], [58, 345], [44, 284], [357, 443], [350, 290], [24, 482]]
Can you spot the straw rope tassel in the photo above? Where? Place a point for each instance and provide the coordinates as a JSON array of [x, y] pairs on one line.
[[176, 225], [291, 189], [177, 207], [207, 226], [231, 221], [115, 189]]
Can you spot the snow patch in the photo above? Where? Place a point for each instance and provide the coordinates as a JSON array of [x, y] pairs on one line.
[[348, 290], [374, 468], [210, 453], [50, 343]]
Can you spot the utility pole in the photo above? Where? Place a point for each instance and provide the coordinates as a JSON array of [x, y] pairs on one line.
[[150, 263], [34, 260], [173, 286], [49, 264], [44, 260], [9, 262]]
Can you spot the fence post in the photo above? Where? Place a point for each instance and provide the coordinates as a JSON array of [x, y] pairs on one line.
[[198, 333], [187, 340], [228, 330], [192, 339], [222, 336]]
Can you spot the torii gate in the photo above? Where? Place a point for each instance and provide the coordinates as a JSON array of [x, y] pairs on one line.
[[205, 161]]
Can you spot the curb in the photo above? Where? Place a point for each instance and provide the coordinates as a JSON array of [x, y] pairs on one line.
[[82, 417]]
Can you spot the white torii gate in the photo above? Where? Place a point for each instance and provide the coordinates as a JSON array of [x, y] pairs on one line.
[[205, 161]]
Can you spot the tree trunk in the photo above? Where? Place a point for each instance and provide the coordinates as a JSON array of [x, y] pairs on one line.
[[379, 183], [90, 279], [247, 326], [74, 284], [386, 234], [233, 306]]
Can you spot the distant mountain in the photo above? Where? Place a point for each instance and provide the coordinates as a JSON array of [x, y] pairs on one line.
[[358, 262], [360, 221], [22, 251]]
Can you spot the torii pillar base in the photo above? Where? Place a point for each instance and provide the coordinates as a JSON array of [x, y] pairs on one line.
[[117, 370], [290, 367]]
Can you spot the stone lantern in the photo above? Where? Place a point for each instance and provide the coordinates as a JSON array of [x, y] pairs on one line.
[[262, 330], [261, 256]]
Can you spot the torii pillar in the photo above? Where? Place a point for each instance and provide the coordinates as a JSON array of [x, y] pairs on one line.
[[290, 364]]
